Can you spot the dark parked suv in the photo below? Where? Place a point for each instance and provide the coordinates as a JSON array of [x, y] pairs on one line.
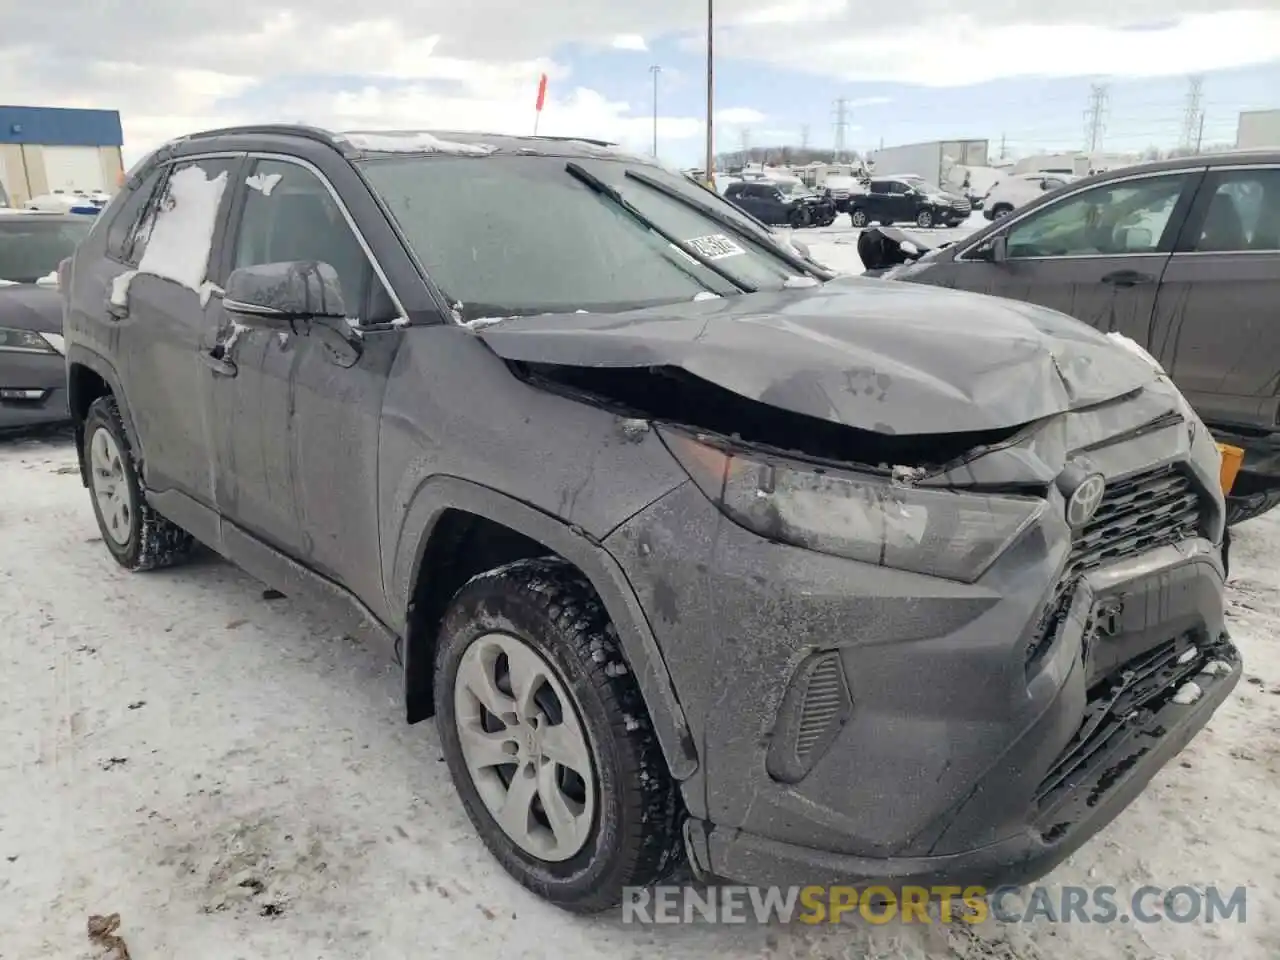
[[790, 204], [691, 549], [907, 199], [1182, 256]]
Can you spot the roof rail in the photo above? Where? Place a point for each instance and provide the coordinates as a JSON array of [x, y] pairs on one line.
[[318, 134], [598, 143]]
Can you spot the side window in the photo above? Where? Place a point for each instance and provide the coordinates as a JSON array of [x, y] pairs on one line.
[[290, 215], [898, 187], [1133, 216], [733, 191], [879, 186], [187, 205], [123, 224], [1243, 213]]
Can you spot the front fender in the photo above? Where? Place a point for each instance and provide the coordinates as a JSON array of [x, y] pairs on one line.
[[439, 493]]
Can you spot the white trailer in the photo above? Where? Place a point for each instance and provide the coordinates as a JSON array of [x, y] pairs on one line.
[[939, 161], [1258, 129]]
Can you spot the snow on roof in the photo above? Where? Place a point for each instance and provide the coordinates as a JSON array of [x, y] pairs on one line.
[[414, 142]]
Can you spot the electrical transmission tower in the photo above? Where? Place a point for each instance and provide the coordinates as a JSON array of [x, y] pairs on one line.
[[744, 139], [841, 124], [1095, 118], [1193, 118], [804, 136]]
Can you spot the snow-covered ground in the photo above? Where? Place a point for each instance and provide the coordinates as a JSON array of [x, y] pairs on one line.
[[233, 777], [837, 245]]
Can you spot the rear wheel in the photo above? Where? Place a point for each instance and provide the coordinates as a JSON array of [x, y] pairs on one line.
[[858, 218], [137, 536], [548, 739], [1001, 210]]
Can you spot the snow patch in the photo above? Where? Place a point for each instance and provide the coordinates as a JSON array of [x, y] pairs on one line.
[[415, 143], [1188, 655], [50, 279], [263, 183], [907, 475], [178, 246], [8, 283], [479, 322], [120, 288], [1216, 668], [705, 295], [1188, 694], [799, 283]]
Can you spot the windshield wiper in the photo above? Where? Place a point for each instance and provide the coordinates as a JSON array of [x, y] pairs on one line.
[[796, 263], [581, 173]]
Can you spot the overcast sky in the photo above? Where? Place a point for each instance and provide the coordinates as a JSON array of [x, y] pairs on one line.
[[916, 69]]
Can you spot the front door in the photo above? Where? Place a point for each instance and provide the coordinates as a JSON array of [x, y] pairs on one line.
[[1097, 255], [298, 455], [1217, 328]]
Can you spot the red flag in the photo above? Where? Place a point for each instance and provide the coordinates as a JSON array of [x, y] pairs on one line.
[[542, 92]]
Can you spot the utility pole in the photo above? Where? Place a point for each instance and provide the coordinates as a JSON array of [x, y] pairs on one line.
[[1096, 116], [1200, 133], [744, 139], [711, 87], [1004, 152], [842, 124], [1193, 117], [655, 70]]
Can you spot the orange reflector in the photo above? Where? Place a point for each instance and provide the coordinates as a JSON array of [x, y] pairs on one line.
[[1232, 457]]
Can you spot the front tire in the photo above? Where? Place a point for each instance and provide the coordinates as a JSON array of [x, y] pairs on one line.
[[1000, 211], [858, 218], [137, 536], [1251, 506], [548, 739], [924, 218]]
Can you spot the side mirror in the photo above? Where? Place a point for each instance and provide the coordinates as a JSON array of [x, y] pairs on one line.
[[994, 250], [276, 294]]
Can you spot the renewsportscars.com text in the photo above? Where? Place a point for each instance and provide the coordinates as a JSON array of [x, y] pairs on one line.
[[975, 905]]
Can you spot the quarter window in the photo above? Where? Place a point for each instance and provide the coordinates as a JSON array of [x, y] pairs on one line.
[[1130, 217], [1243, 214], [120, 233], [290, 215]]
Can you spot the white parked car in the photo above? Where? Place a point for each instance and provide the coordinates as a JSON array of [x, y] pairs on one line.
[[1011, 192], [60, 201]]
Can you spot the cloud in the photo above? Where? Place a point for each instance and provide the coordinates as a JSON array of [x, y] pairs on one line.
[[739, 116], [629, 41]]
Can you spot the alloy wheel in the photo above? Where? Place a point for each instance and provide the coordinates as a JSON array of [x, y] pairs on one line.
[[525, 747]]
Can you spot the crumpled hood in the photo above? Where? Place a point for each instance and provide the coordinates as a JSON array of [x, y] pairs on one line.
[[876, 355], [26, 306]]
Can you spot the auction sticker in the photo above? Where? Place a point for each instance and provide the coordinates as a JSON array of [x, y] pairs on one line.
[[716, 247]]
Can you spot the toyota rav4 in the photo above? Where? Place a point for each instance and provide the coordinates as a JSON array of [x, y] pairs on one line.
[[692, 549]]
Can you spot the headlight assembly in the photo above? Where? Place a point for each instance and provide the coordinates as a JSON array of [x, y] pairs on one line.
[[940, 533], [23, 341]]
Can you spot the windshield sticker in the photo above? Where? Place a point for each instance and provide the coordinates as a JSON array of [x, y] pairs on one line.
[[716, 247]]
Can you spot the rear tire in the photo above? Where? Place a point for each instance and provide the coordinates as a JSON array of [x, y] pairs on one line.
[[537, 626], [1251, 506], [1000, 211], [858, 218], [137, 536]]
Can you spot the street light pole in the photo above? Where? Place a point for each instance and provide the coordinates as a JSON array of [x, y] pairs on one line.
[[711, 162], [655, 70]]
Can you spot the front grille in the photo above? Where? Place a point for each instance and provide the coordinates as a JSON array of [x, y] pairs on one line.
[[1137, 514], [963, 206]]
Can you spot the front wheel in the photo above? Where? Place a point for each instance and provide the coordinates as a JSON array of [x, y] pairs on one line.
[[548, 739], [800, 217], [858, 218], [924, 218], [1000, 211], [1251, 506]]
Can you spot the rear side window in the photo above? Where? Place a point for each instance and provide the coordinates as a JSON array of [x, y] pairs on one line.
[[734, 190], [879, 186], [1243, 213], [124, 223]]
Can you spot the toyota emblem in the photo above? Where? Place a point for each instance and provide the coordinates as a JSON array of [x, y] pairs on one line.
[[1084, 500]]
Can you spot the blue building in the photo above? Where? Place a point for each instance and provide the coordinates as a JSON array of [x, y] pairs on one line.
[[55, 149]]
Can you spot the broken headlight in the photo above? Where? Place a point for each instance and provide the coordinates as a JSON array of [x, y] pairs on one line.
[[940, 533]]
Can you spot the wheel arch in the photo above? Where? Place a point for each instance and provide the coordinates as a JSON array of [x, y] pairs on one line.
[[90, 376], [433, 558]]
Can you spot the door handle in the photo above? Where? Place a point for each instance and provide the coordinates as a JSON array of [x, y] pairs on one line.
[[215, 362], [1128, 278]]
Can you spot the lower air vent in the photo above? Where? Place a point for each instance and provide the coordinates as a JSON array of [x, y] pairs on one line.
[[817, 704]]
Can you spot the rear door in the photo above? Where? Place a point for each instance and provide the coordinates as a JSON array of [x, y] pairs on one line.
[[1097, 254], [1217, 328], [159, 320]]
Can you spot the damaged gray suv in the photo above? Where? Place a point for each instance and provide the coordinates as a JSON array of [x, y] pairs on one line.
[[693, 550]]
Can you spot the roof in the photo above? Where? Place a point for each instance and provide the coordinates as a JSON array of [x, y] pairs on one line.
[[357, 144], [60, 126]]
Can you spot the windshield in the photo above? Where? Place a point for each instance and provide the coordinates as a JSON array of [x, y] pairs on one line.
[[31, 249], [794, 189], [924, 186], [516, 235]]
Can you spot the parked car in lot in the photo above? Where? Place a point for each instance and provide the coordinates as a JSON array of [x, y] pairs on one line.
[[792, 204], [907, 199], [1019, 189], [690, 548], [32, 370], [1182, 256]]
